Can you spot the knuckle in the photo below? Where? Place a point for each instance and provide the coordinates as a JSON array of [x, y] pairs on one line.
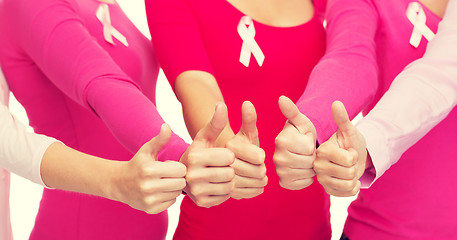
[[192, 159], [281, 141], [198, 190], [351, 172]]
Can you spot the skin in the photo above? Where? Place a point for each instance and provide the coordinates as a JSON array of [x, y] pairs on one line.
[[143, 182], [295, 148], [198, 92], [341, 161]]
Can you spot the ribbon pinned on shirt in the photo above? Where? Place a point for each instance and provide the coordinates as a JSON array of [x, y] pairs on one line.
[[417, 17], [246, 31], [108, 30]]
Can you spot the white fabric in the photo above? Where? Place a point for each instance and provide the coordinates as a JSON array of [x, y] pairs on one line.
[[418, 99], [246, 31], [417, 17], [109, 31], [21, 152]]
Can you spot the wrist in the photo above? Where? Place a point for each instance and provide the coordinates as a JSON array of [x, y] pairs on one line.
[[113, 180]]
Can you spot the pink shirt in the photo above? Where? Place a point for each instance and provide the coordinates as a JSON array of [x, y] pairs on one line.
[[90, 94], [368, 46], [20, 152], [419, 98]]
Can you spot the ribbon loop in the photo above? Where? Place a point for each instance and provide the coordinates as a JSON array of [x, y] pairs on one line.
[[109, 31], [417, 17], [246, 31]]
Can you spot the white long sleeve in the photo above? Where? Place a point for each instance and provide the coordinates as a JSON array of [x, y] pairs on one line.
[[20, 151], [418, 99]]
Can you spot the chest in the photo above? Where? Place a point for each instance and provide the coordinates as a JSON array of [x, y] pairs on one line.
[[400, 38], [129, 48], [286, 50]]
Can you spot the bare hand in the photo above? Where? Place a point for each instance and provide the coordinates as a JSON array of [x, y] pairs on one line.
[[250, 171], [341, 161], [147, 184], [209, 174], [295, 148]]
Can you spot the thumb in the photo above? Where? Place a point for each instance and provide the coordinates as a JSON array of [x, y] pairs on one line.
[[212, 130], [158, 142], [249, 121], [341, 118], [294, 116]]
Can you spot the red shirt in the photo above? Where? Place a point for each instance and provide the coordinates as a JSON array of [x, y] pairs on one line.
[[202, 35]]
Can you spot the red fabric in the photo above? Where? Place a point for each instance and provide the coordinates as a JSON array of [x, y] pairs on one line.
[[202, 35]]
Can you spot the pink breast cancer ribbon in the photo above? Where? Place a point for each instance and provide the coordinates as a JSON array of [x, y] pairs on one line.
[[246, 31], [108, 30], [416, 16]]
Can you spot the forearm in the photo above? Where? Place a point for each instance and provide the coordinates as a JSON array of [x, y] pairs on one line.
[[348, 70], [67, 169], [132, 117], [429, 84], [198, 93]]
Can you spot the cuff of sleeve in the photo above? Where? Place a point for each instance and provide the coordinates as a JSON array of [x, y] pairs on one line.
[[377, 147], [174, 149], [37, 159]]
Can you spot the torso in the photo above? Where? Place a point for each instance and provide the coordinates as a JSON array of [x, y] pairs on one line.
[[65, 215], [290, 55], [412, 200]]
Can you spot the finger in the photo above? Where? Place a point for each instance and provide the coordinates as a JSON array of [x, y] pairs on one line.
[[211, 175], [210, 157], [158, 208], [325, 167], [211, 131], [243, 182], [349, 193], [246, 151], [296, 184], [337, 184], [294, 116], [289, 174], [248, 122], [157, 143], [210, 201], [246, 169], [170, 169], [211, 189], [336, 155], [289, 138], [345, 127], [240, 193], [163, 185], [292, 160]]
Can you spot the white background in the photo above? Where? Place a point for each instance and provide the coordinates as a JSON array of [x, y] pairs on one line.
[[25, 196]]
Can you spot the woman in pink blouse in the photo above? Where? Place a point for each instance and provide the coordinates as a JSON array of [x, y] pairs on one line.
[[86, 76], [369, 44]]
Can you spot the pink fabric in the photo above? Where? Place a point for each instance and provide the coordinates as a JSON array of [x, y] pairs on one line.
[[415, 199], [84, 91], [202, 35], [419, 98]]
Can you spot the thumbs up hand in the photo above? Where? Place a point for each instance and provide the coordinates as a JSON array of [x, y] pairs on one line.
[[341, 160], [295, 148], [147, 184], [250, 171], [209, 174]]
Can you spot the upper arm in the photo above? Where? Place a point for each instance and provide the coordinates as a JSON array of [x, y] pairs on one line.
[[54, 36], [177, 38]]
